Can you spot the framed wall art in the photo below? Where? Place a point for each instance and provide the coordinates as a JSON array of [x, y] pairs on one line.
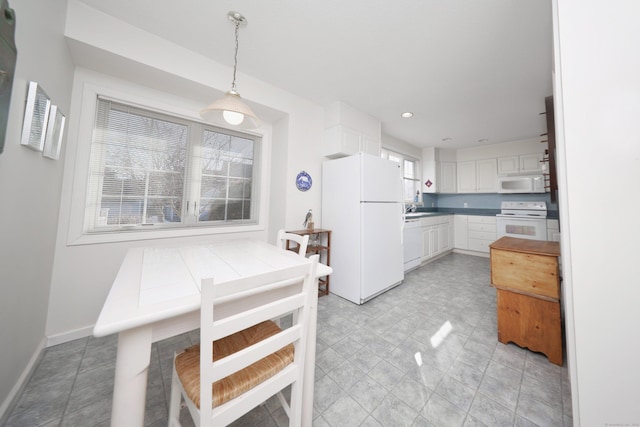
[[8, 56], [54, 133], [36, 116]]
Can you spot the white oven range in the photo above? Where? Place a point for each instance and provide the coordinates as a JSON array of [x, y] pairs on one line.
[[524, 220]]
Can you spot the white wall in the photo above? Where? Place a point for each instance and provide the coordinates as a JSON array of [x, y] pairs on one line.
[[597, 104], [399, 146], [129, 62], [29, 194], [526, 146]]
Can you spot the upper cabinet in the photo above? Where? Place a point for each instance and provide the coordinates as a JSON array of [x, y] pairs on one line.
[[467, 177], [439, 170], [349, 131], [526, 163], [478, 176], [340, 141], [447, 177]]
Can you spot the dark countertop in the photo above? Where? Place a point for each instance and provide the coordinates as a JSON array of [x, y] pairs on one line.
[[459, 211], [470, 211]]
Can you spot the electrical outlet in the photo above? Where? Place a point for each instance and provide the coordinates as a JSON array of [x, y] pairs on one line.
[[466, 205]]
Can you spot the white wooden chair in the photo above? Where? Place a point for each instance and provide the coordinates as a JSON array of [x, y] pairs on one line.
[[301, 241], [250, 358]]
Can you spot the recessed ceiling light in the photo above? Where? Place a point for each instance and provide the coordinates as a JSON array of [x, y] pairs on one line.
[[407, 115]]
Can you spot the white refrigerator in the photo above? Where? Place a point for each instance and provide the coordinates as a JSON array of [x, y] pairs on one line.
[[362, 205]]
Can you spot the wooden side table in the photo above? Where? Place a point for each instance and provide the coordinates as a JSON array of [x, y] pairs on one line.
[[526, 276], [319, 243]]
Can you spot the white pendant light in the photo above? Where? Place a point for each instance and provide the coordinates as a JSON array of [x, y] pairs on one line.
[[230, 110]]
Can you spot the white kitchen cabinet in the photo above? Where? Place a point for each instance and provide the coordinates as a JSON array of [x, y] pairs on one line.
[[525, 163], [482, 232], [446, 173], [341, 141], [435, 236], [531, 163], [370, 146], [487, 176], [478, 176], [466, 174], [429, 242], [461, 232], [508, 164], [474, 232], [443, 237]]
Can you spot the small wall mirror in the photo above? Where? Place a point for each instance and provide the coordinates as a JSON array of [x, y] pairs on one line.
[[36, 116]]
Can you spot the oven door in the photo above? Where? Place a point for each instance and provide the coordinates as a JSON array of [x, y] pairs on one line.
[[522, 228]]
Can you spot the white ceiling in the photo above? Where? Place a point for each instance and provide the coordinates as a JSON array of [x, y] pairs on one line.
[[469, 70]]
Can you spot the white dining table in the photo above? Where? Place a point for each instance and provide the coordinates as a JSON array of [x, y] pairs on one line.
[[156, 295]]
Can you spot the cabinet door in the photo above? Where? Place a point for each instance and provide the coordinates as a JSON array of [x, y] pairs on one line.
[[370, 146], [508, 164], [461, 232], [434, 240], [350, 141], [447, 177], [487, 176], [340, 141], [531, 163], [451, 234], [443, 237], [426, 243], [467, 177]]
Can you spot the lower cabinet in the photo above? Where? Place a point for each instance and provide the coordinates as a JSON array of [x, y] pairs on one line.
[[437, 236], [474, 232], [461, 232]]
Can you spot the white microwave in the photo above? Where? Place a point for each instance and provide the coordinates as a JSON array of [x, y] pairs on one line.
[[521, 184]]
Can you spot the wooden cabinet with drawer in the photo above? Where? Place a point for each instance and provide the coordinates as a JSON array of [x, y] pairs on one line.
[[526, 276]]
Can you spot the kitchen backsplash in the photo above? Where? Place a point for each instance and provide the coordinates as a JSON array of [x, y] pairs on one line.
[[482, 201]]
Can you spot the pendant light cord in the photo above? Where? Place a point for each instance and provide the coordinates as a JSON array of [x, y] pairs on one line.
[[235, 60]]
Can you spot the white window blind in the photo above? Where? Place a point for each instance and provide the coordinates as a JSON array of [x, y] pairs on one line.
[[150, 170]]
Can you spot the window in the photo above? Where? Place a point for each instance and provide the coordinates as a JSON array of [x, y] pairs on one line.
[[409, 167], [150, 170]]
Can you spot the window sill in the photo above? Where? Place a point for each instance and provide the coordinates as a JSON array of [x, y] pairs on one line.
[[141, 235]]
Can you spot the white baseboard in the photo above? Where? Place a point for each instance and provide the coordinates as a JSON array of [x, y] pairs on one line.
[[9, 402], [69, 336]]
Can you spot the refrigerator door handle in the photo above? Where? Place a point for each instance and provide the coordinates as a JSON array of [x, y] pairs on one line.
[[402, 219]]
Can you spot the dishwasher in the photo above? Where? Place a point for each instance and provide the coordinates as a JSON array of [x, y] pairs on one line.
[[412, 243]]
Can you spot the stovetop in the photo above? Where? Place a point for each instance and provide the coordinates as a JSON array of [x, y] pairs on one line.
[[523, 209]]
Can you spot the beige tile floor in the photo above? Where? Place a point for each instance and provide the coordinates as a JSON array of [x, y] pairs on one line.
[[375, 365]]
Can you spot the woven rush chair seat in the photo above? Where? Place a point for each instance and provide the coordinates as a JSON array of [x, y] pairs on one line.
[[244, 358], [187, 364]]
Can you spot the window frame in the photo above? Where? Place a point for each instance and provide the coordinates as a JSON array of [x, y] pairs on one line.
[[385, 153], [155, 102]]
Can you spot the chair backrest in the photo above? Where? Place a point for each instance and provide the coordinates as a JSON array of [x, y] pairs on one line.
[[301, 241], [236, 305]]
